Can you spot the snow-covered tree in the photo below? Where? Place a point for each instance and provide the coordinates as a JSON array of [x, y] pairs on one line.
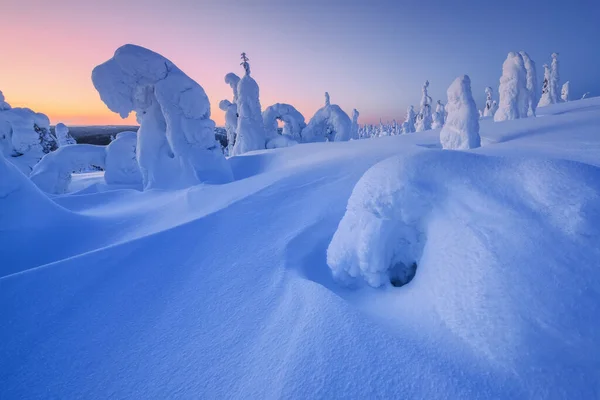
[[233, 81], [409, 125], [564, 93], [250, 129], [424, 119], [545, 98], [354, 131], [513, 89], [231, 121], [176, 142], [585, 95], [62, 135], [532, 86], [3, 104], [293, 121], [121, 166], [329, 123], [488, 110], [439, 116], [554, 79], [461, 130]]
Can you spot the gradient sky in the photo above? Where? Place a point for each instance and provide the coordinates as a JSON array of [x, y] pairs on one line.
[[370, 55]]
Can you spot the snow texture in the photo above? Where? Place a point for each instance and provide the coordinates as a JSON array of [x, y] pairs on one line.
[[293, 121], [176, 143], [121, 166], [513, 89], [329, 123], [63, 137], [461, 130], [532, 86]]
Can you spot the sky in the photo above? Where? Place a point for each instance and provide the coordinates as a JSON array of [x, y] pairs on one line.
[[370, 55]]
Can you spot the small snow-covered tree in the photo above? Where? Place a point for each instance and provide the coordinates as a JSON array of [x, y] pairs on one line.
[[409, 125], [176, 144], [424, 119], [488, 111], [513, 89], [330, 123], [564, 93], [532, 86], [439, 116], [62, 135], [354, 131], [545, 98], [585, 95], [554, 79], [250, 129], [461, 130], [231, 121]]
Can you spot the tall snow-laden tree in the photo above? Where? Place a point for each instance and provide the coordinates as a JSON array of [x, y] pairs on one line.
[[545, 98], [176, 144], [409, 125], [424, 119], [461, 130], [564, 93], [439, 115], [488, 110], [354, 131], [513, 89], [231, 121], [250, 129], [532, 86], [554, 79]]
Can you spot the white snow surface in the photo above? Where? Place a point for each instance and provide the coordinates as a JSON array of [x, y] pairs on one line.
[[223, 291]]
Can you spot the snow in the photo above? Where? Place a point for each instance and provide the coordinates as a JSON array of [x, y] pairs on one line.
[[293, 121], [514, 96], [461, 130], [224, 291], [330, 123], [62, 135], [176, 146], [121, 166], [424, 118]]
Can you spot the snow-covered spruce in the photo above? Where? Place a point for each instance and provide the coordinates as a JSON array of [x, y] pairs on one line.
[[564, 93], [513, 89], [231, 120], [329, 123], [424, 118], [53, 173], [439, 116], [24, 136], [121, 166], [63, 137], [554, 79], [293, 121], [250, 129], [355, 128], [545, 98], [490, 105], [176, 142], [409, 125], [461, 130], [532, 86]]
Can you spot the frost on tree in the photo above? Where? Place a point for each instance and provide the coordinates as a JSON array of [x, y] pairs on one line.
[[532, 86], [231, 121], [545, 98], [513, 89], [354, 131], [424, 119], [293, 121], [63, 137], [564, 93], [490, 105], [461, 131], [250, 129], [409, 125], [176, 142], [329, 123], [439, 116], [25, 136], [121, 166]]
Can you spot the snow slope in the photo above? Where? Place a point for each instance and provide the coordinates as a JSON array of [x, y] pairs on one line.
[[223, 291]]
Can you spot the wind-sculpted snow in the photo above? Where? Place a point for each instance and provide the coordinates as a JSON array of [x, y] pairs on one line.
[[177, 146]]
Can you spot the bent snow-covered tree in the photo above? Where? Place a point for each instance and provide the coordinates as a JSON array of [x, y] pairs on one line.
[[532, 86], [564, 93], [293, 121], [176, 143], [424, 119], [250, 129], [231, 120], [62, 135], [513, 89], [329, 123], [461, 130]]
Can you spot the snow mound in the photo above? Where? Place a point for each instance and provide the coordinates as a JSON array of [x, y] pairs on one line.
[[293, 121], [121, 166], [177, 146], [329, 123]]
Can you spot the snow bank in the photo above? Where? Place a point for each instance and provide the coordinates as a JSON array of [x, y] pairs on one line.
[[461, 130], [513, 89], [329, 123], [293, 121], [121, 166], [176, 146]]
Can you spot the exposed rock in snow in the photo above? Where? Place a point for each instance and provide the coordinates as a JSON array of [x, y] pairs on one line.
[[176, 142], [513, 89], [564, 93], [231, 121], [62, 135], [121, 166], [292, 119], [461, 130], [532, 86], [424, 118], [329, 123], [250, 129]]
